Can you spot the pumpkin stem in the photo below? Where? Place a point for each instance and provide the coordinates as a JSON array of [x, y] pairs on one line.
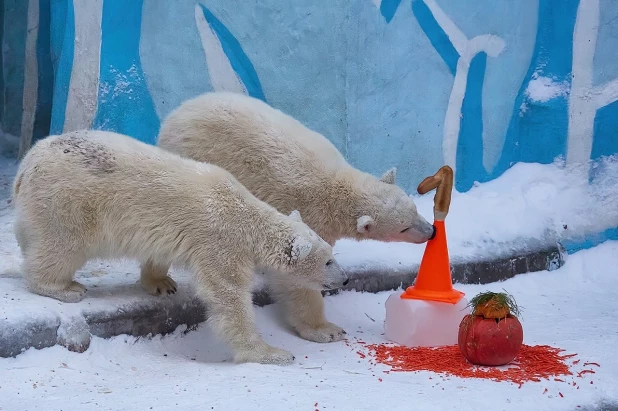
[[494, 305]]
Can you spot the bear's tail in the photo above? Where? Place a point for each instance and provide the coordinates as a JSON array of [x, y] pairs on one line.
[[17, 184]]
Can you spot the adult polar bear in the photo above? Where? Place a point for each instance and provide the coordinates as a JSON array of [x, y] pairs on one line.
[[291, 167]]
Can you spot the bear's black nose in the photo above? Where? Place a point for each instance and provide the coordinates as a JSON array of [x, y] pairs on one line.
[[346, 281], [433, 235]]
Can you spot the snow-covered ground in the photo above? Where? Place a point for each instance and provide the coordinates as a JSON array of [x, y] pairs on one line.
[[573, 308], [529, 206]]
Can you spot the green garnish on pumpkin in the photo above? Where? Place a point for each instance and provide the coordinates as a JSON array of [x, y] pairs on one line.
[[494, 305]]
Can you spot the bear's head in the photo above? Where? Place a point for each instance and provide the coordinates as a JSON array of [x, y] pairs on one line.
[[386, 213], [308, 260]]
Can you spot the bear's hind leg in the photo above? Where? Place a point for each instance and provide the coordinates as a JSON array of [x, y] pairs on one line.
[[21, 234], [50, 273], [154, 279]]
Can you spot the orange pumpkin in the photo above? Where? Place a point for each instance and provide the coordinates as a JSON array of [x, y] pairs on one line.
[[491, 335]]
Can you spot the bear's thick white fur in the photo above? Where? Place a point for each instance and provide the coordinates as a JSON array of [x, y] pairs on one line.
[[96, 194], [293, 168]]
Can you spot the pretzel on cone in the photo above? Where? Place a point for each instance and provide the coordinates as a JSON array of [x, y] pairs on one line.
[[433, 281], [443, 182]]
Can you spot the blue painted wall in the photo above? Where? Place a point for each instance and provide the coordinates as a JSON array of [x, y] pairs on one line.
[[13, 52], [62, 48], [1, 62], [45, 73], [121, 64], [13, 36], [406, 83]]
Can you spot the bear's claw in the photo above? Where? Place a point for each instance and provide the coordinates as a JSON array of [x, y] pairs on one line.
[[159, 286]]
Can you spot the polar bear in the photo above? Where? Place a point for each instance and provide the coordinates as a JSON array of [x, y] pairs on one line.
[[292, 167], [96, 194]]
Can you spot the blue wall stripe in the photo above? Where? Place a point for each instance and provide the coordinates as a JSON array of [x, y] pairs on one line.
[[605, 141], [42, 117], [234, 52], [1, 62], [388, 9], [539, 134], [435, 34], [590, 241], [62, 47], [15, 32], [470, 143], [132, 111], [58, 20]]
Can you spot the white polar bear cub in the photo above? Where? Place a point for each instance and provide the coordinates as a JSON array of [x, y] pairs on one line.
[[292, 167], [96, 194]]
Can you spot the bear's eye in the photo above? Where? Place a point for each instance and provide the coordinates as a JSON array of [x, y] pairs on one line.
[[405, 229], [329, 262]]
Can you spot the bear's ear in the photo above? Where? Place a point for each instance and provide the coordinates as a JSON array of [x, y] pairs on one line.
[[389, 176], [295, 214], [300, 248], [363, 224]]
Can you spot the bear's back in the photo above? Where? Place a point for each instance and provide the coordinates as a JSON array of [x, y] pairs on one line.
[[240, 131], [130, 185], [118, 164]]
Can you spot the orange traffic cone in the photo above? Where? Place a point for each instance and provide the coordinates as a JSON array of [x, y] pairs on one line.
[[428, 314], [434, 282]]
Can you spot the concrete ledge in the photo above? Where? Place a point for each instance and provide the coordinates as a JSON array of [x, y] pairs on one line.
[[143, 320], [38, 333], [474, 272], [151, 315]]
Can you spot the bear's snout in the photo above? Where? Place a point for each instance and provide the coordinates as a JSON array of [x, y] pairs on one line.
[[419, 232], [433, 235], [336, 277]]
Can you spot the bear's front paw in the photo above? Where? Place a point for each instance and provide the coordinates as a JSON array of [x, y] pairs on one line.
[[265, 355], [159, 286], [325, 333]]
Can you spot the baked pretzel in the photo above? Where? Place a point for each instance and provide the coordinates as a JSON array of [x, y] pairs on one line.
[[443, 181]]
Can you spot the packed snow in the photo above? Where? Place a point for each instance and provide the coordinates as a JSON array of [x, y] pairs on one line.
[[572, 308], [530, 206], [542, 89]]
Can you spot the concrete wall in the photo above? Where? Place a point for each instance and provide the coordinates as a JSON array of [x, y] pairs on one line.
[[407, 83]]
